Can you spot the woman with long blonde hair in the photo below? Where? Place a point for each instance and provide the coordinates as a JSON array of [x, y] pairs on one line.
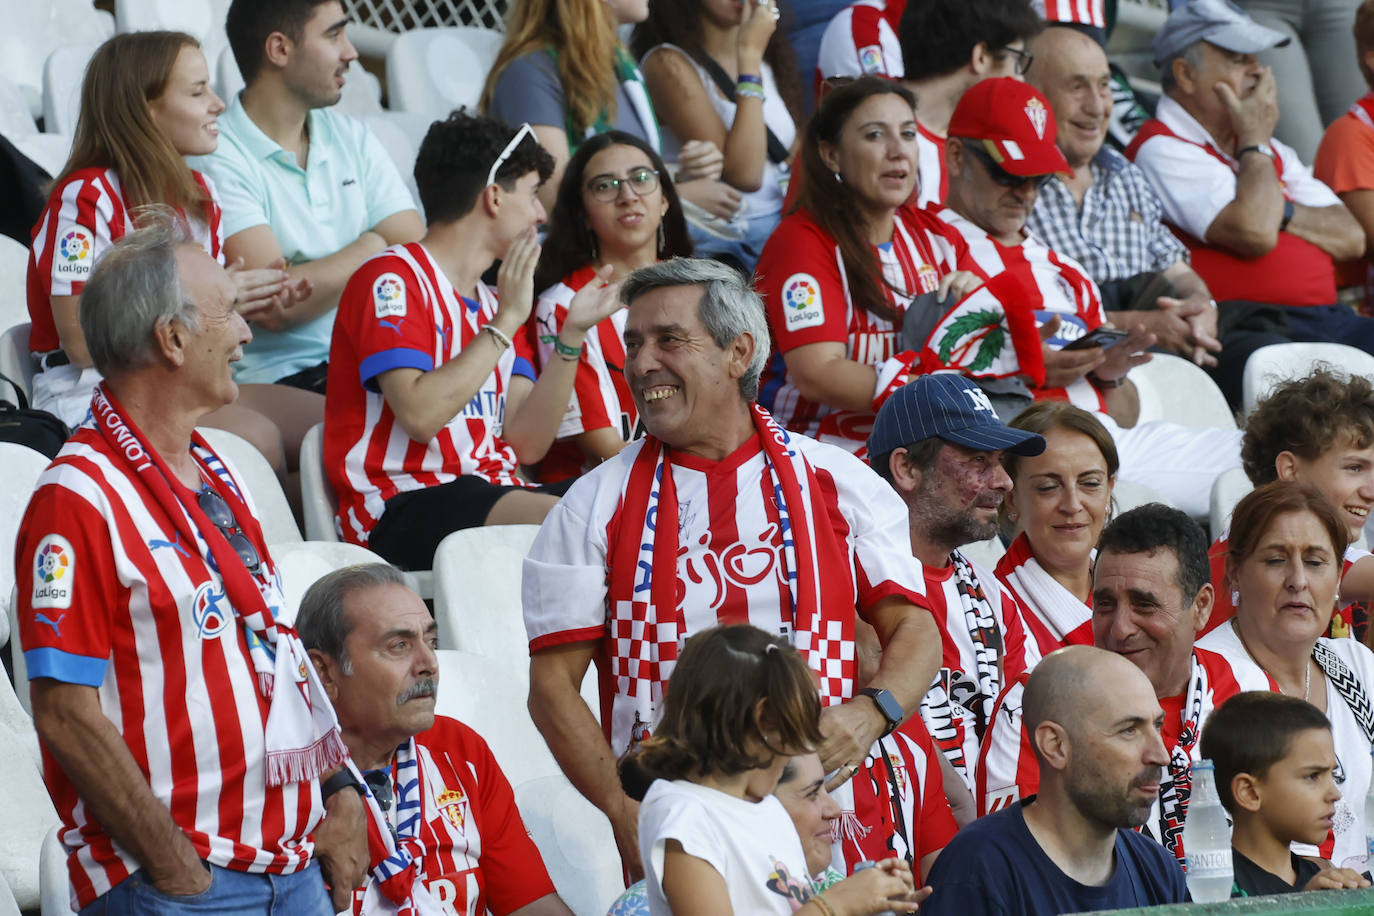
[[146, 103], [563, 70]]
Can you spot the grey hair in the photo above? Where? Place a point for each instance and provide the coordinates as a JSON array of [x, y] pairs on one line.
[[1191, 55], [135, 289], [321, 621], [729, 306]]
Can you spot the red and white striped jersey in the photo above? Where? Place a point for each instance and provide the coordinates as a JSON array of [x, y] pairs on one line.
[[983, 647], [899, 801], [862, 41], [1053, 616], [478, 855], [1223, 609], [107, 600], [730, 560], [1057, 283], [1007, 768], [930, 159], [1346, 843], [399, 311], [801, 277], [1083, 12], [600, 397], [84, 217]]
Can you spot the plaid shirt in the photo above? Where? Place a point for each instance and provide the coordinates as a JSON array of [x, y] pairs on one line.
[[1118, 233]]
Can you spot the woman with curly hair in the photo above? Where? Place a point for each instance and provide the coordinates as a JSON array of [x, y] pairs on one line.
[[1318, 429]]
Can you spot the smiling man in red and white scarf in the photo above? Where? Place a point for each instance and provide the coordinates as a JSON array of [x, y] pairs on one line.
[[718, 516]]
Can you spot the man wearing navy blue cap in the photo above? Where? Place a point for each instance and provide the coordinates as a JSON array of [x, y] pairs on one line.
[[939, 443]]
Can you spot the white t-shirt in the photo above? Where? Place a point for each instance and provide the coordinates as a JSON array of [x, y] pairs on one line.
[[753, 845]]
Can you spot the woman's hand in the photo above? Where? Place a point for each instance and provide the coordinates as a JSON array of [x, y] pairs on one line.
[[715, 197], [699, 159], [958, 282], [264, 295], [888, 886], [756, 24], [515, 279], [592, 303]]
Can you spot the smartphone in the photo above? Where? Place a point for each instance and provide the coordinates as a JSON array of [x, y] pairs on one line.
[[1103, 337]]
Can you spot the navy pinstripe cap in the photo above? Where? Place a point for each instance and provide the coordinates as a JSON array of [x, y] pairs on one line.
[[950, 406]]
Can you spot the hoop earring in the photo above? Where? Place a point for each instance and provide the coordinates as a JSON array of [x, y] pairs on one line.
[[838, 179]]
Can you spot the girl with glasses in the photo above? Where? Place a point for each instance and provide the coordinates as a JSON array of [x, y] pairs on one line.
[[616, 208]]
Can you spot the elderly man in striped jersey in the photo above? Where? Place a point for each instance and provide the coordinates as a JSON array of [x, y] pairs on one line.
[[185, 732]]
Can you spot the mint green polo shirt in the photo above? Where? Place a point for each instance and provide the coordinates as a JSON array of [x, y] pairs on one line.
[[348, 186]]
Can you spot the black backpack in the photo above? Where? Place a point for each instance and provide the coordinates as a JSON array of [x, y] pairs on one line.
[[39, 430]]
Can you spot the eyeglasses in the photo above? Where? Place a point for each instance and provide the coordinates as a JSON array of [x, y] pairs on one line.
[[1023, 59], [606, 188], [524, 131], [222, 517], [1000, 175]]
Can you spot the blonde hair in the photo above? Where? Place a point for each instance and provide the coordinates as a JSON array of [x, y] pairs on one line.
[[582, 33], [116, 127]]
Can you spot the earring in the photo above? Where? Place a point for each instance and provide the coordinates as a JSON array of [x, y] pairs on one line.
[[596, 249], [838, 179], [1235, 597], [661, 244]]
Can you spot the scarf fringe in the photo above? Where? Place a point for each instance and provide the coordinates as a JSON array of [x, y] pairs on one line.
[[306, 763], [851, 828]]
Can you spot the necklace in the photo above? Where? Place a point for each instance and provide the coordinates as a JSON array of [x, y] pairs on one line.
[[1307, 668]]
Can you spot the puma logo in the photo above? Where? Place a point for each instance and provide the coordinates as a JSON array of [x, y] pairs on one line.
[[55, 624], [396, 326], [175, 544]]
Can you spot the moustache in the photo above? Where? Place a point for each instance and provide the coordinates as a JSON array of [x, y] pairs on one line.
[[425, 687]]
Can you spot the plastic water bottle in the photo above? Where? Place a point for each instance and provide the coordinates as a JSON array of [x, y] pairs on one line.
[[1207, 839], [865, 864]]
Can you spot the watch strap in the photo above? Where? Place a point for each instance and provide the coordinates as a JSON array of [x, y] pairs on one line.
[[1265, 150], [887, 705], [343, 779], [1287, 214]]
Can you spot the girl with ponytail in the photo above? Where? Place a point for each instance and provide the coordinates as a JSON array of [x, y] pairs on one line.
[[712, 836]]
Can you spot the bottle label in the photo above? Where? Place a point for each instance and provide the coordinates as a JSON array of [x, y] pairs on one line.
[[1214, 860]]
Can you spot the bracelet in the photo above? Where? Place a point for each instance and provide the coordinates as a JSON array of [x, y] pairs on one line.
[[1287, 214], [343, 779], [571, 354], [824, 904], [750, 78], [498, 335], [1100, 382], [748, 91]]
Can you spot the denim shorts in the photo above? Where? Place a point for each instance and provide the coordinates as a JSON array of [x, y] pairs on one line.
[[231, 893]]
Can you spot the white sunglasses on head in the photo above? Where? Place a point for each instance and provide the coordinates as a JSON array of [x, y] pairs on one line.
[[524, 131]]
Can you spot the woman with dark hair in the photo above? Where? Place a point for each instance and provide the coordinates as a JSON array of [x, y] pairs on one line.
[[842, 270], [1283, 566], [146, 104], [719, 71], [616, 210]]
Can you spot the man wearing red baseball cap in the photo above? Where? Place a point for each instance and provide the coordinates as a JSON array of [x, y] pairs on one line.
[[1001, 151]]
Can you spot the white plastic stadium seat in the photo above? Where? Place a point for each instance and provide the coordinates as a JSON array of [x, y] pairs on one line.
[[8, 905], [15, 361], [1227, 490], [302, 563], [29, 814], [14, 271], [985, 553], [56, 884], [362, 92], [1127, 494], [197, 18], [477, 575], [1270, 365], [15, 118], [1173, 389], [433, 71], [228, 80], [33, 30], [318, 504], [575, 841], [50, 151], [274, 512], [400, 133], [22, 467], [63, 73]]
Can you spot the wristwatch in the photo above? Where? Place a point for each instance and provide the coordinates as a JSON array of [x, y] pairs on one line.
[[343, 779], [1263, 148], [887, 705]]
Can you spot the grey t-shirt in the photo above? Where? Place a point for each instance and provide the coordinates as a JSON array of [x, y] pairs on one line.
[[529, 90]]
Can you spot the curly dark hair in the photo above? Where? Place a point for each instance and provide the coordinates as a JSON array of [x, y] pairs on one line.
[[1307, 416], [937, 36], [457, 152], [570, 243]]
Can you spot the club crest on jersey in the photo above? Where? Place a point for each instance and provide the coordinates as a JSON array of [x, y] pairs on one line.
[[210, 611], [75, 253], [388, 296], [1038, 116], [54, 569], [801, 302], [928, 277], [898, 767], [453, 803], [871, 59]]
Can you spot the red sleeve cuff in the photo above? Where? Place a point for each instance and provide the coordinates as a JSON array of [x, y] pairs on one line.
[[563, 637]]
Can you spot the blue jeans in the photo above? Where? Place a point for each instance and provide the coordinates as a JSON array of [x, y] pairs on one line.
[[231, 893]]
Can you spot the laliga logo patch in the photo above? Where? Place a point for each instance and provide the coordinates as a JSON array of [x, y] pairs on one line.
[[54, 569], [871, 60], [208, 611], [72, 260], [801, 302], [1038, 116], [389, 296]]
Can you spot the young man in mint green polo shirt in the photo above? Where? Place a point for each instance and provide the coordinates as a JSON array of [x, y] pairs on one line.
[[299, 182]]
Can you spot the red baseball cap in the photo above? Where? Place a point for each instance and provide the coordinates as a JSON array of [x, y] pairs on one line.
[[1015, 123]]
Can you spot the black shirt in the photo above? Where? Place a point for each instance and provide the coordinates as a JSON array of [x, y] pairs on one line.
[[1253, 881]]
